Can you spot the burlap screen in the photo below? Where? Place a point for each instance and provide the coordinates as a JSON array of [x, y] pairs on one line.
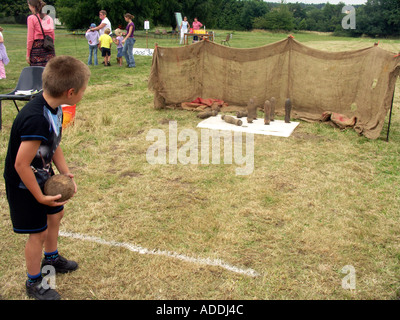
[[356, 83]]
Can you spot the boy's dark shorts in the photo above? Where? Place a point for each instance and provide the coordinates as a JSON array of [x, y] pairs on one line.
[[28, 215], [105, 52]]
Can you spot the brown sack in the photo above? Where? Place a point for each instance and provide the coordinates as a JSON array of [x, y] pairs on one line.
[[357, 83]]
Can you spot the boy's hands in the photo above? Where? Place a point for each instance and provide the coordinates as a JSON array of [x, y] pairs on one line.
[[51, 201], [25, 155], [61, 165], [72, 177]]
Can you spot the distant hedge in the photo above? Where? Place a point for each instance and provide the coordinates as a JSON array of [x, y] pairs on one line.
[[375, 18]]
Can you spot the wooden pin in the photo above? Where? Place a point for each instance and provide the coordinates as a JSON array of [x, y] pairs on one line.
[[251, 111], [288, 108], [207, 114], [267, 112], [272, 113], [241, 114], [232, 120]]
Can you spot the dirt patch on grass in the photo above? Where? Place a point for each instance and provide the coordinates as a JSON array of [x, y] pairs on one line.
[[306, 136], [130, 174]]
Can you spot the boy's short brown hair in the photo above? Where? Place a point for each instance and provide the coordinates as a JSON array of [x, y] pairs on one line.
[[63, 73]]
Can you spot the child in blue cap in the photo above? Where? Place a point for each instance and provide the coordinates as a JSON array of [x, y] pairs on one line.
[[93, 41]]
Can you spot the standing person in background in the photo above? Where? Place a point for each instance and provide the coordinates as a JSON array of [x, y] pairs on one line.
[[105, 23], [184, 28], [3, 56], [196, 26], [105, 42], [118, 41], [36, 55], [129, 41], [93, 41]]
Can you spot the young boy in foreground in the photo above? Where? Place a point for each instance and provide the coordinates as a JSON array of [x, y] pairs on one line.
[[34, 144]]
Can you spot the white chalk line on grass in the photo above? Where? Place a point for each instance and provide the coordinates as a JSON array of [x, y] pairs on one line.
[[169, 254]]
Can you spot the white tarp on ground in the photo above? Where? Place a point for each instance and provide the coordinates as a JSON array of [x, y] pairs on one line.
[[275, 128]]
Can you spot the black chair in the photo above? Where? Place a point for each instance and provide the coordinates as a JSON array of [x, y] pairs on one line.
[[30, 80]]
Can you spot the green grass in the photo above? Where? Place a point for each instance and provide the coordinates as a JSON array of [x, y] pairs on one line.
[[316, 202]]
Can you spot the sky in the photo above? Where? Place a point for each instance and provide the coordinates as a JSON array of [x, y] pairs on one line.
[[347, 2]]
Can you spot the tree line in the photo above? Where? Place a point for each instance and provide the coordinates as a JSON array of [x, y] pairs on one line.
[[375, 18]]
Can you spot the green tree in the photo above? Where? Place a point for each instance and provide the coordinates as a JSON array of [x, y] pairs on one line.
[[164, 12], [79, 14], [331, 17], [229, 15], [299, 15], [384, 18], [251, 9], [302, 25], [277, 19], [297, 10], [376, 18], [17, 9], [315, 20]]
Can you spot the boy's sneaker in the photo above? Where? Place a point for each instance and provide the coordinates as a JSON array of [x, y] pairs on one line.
[[61, 264], [36, 291]]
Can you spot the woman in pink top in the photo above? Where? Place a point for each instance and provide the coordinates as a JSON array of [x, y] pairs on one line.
[[36, 55], [196, 26]]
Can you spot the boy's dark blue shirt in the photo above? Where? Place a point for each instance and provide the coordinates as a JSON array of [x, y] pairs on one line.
[[36, 121]]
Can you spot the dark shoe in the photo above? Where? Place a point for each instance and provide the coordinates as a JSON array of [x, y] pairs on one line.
[[61, 264], [36, 291], [109, 64]]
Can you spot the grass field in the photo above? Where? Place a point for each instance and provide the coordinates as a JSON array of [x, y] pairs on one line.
[[316, 202]]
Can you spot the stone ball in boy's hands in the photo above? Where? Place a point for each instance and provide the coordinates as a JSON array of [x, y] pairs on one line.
[[60, 184]]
